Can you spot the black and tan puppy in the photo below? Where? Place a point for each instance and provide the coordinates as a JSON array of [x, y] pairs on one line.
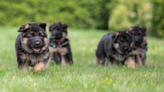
[[32, 47], [115, 48], [140, 44], [60, 51]]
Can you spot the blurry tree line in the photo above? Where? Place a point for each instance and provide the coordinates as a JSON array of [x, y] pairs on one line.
[[97, 14]]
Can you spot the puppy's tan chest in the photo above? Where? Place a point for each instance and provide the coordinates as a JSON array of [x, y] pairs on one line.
[[121, 57], [34, 59], [118, 57], [61, 50], [140, 52]]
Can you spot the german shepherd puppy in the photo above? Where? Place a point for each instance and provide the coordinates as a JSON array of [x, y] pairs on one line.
[[31, 47], [140, 44], [115, 48], [60, 51]]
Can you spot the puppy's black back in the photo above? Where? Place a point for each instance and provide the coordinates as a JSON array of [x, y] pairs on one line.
[[105, 46], [18, 49]]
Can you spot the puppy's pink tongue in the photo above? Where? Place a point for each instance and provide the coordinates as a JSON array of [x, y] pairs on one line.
[[36, 49]]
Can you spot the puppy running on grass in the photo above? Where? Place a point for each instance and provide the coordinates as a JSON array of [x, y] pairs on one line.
[[115, 48], [31, 47]]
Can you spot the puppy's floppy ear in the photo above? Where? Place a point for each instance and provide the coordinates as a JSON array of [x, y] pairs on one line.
[[64, 25], [115, 35], [42, 25], [142, 28], [24, 27]]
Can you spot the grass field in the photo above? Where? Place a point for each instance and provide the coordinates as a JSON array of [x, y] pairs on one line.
[[82, 76]]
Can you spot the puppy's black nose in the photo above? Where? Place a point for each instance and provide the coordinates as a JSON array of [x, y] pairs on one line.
[[137, 40], [37, 43], [125, 48], [54, 33], [53, 36]]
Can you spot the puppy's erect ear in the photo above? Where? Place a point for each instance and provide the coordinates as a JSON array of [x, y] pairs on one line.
[[115, 35], [128, 32], [42, 25], [64, 25], [130, 29], [24, 27], [142, 28]]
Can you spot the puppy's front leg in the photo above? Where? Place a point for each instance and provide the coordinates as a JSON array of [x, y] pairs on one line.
[[25, 67], [63, 61], [63, 52], [51, 49], [39, 67], [130, 61], [144, 60], [138, 60]]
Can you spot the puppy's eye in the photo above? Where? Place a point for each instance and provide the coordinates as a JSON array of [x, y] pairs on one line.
[[127, 40], [139, 33], [58, 28], [122, 40], [40, 34], [25, 36], [32, 34], [118, 41]]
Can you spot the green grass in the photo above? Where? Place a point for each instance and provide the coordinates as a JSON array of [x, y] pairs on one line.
[[82, 76]]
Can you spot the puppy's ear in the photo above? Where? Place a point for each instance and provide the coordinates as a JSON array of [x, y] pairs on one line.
[[64, 25], [24, 27], [50, 26], [42, 25], [128, 32], [115, 35], [130, 29], [142, 28]]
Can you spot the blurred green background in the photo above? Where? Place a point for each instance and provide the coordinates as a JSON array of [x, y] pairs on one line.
[[86, 14]]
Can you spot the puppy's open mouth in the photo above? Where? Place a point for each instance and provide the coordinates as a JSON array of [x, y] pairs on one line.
[[36, 49]]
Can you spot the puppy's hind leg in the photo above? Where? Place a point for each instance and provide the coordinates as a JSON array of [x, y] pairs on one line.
[[96, 61], [51, 55]]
